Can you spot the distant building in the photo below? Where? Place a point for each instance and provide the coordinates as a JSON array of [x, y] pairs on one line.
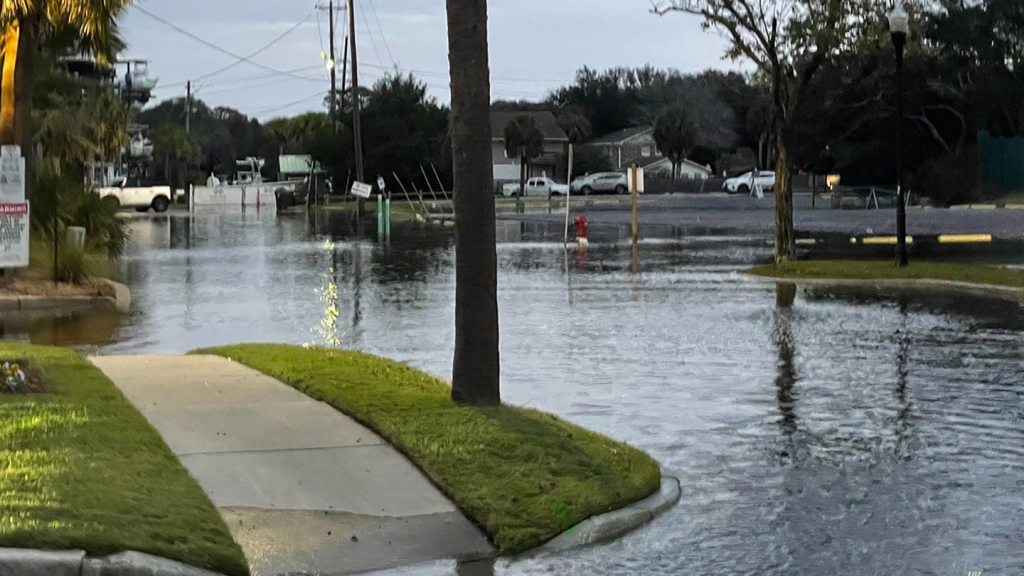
[[297, 166], [628, 146], [637, 146], [688, 170], [552, 163]]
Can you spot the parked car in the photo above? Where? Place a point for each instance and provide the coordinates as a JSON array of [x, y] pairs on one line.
[[139, 194], [536, 187], [745, 183], [863, 198], [602, 182]]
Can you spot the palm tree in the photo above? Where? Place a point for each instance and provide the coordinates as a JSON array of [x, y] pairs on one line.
[[675, 135], [87, 25], [576, 125], [173, 143], [475, 370], [524, 140]]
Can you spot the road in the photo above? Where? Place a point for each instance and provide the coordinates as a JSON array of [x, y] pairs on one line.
[[719, 214]]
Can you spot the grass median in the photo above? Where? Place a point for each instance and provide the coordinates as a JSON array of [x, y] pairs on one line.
[[522, 475], [887, 270], [80, 468]]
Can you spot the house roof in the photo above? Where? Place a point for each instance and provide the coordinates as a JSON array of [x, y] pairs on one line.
[[545, 121], [621, 136], [666, 164], [297, 164]]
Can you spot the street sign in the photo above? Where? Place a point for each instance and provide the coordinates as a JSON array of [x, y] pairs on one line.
[[381, 184], [361, 190], [12, 175], [638, 178], [14, 235]]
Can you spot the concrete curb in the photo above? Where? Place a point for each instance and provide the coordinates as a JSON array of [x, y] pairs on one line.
[[614, 524], [1005, 292], [25, 303], [25, 562], [122, 295], [122, 301]]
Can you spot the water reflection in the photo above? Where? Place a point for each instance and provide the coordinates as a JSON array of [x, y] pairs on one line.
[[83, 328], [897, 414], [787, 378]]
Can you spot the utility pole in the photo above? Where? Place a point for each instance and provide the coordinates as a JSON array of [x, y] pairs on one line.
[[334, 68], [188, 108], [356, 105]]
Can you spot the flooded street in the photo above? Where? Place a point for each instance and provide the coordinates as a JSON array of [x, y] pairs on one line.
[[815, 430]]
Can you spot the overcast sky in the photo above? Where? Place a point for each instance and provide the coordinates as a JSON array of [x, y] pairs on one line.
[[535, 45]]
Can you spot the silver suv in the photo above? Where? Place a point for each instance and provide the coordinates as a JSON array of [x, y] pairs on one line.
[[602, 183]]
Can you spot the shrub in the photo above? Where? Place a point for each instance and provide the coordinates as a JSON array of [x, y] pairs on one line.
[[76, 205]]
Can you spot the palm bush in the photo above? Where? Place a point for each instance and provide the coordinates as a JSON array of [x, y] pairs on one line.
[[61, 200]]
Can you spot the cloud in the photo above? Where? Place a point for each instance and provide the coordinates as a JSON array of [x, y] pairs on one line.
[[535, 45]]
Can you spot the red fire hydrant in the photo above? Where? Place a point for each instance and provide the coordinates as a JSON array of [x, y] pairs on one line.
[[581, 230]]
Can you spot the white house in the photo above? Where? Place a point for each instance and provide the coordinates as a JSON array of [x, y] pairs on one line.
[[688, 170]]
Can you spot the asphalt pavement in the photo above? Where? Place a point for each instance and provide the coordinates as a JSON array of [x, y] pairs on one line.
[[720, 214]]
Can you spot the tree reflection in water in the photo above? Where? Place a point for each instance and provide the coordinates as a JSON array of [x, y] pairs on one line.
[[786, 374]]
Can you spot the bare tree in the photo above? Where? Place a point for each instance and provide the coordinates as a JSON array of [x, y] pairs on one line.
[[788, 41], [475, 371]]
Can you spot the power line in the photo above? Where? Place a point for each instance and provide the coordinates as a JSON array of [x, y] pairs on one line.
[[369, 31], [261, 76], [261, 50], [205, 42], [317, 94], [270, 82], [380, 28]]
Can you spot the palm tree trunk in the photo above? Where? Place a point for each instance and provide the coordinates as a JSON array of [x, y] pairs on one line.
[[475, 370], [24, 81], [12, 40]]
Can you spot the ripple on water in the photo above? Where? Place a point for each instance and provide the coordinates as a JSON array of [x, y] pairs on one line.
[[855, 432]]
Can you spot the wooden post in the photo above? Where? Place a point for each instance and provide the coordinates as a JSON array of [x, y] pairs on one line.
[[407, 198], [634, 185], [426, 211], [439, 183], [568, 196], [429, 185]]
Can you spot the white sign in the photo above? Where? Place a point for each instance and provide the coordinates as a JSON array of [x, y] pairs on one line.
[[639, 179], [361, 190], [12, 175], [381, 184], [14, 235]]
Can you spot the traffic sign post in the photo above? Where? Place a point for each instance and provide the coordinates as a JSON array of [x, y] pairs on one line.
[[12, 175], [14, 228], [14, 210], [361, 190]]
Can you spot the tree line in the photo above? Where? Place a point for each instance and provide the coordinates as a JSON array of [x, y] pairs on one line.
[[833, 111]]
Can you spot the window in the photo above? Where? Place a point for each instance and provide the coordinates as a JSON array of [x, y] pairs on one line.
[[645, 151]]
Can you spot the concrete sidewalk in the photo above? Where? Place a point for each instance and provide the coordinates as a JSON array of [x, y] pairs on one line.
[[303, 488]]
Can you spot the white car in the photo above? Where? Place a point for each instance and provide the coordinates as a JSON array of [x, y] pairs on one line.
[[536, 187], [602, 182], [747, 182], [139, 194]]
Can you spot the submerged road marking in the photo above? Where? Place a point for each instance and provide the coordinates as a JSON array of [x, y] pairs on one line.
[[885, 240], [965, 238]]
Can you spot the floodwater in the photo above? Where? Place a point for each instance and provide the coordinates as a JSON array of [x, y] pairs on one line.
[[815, 430]]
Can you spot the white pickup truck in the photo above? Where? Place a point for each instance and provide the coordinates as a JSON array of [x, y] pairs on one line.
[[139, 194], [536, 187]]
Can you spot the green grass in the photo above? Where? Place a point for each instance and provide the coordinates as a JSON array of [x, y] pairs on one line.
[[522, 475], [884, 270], [1014, 198], [80, 468]]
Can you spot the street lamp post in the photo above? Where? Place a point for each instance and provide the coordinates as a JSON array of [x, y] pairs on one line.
[[899, 28]]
